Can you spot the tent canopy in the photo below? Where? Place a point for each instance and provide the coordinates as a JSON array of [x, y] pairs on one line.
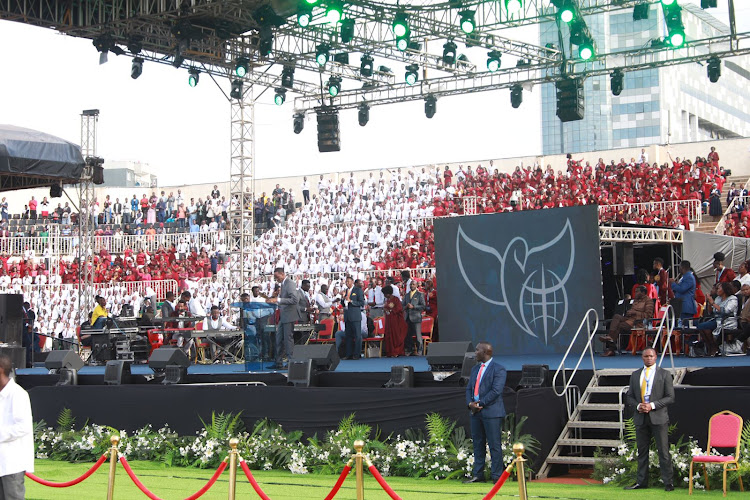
[[29, 158]]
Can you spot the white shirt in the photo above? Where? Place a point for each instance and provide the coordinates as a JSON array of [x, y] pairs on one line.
[[16, 430], [219, 324], [324, 302], [649, 382]]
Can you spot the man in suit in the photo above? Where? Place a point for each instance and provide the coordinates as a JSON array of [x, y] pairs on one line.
[[414, 304], [168, 306], [651, 392], [28, 338], [484, 397], [304, 301], [354, 301], [288, 307]]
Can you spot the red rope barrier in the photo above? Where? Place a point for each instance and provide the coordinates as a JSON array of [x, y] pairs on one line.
[[253, 482], [499, 484], [386, 487], [74, 481], [148, 493], [337, 486]]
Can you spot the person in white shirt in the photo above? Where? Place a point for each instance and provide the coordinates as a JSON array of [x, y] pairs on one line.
[[305, 190], [216, 322], [323, 302], [16, 435]]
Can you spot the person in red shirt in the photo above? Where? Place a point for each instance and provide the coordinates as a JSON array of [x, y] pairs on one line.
[[662, 281], [723, 274]]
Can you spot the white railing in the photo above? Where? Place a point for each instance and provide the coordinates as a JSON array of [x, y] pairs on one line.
[[609, 213], [160, 288], [611, 234], [667, 321], [590, 332], [420, 273], [721, 226]]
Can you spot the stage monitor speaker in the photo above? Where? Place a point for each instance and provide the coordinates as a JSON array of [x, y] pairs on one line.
[[470, 361], [11, 319], [117, 372], [534, 376], [448, 355], [622, 259], [68, 376], [401, 376], [324, 356], [57, 360], [174, 374], [301, 373], [17, 355], [168, 356]]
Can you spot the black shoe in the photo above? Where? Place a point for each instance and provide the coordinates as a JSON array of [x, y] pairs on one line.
[[636, 486], [669, 487], [475, 479], [355, 357]]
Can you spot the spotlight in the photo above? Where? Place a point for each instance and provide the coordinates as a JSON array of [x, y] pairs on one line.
[[513, 6], [640, 11], [299, 122], [287, 77], [430, 106], [493, 60], [366, 65], [468, 25], [714, 68], [412, 74], [677, 38], [566, 10], [304, 15], [400, 25], [668, 2], [193, 77], [341, 58], [673, 19], [347, 30], [178, 57], [312, 2], [334, 12], [236, 92], [586, 50], [136, 68], [616, 80], [241, 66], [265, 45], [322, 54], [403, 42], [516, 95], [708, 4], [449, 53], [364, 114], [334, 85], [280, 96]]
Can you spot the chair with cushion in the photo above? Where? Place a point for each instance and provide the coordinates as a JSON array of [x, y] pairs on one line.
[[724, 431], [325, 336], [428, 323]]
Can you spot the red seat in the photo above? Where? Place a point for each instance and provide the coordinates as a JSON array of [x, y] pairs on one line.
[[428, 323], [326, 335], [379, 323], [724, 431], [712, 459]]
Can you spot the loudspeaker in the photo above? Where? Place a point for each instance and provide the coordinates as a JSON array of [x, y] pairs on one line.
[[470, 360], [56, 360], [174, 374], [622, 259], [534, 376], [401, 376], [323, 356], [168, 356], [117, 372], [301, 374], [448, 355], [11, 319], [328, 131], [17, 355]]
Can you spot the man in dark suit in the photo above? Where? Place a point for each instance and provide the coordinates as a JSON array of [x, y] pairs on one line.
[[484, 397], [304, 301], [414, 303], [651, 392], [354, 301], [28, 338], [289, 313]]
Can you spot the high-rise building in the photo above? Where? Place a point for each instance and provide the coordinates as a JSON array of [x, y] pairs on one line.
[[663, 105]]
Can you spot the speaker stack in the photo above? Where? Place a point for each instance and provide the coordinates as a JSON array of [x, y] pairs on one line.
[[11, 329]]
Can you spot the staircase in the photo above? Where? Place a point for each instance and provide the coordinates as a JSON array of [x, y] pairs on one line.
[[708, 223], [597, 421]]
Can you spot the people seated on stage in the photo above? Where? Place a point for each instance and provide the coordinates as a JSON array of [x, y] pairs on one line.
[[744, 319], [641, 309], [724, 311], [215, 321], [99, 316], [395, 324], [184, 338]]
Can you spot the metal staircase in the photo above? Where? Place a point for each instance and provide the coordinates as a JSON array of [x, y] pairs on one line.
[[596, 418]]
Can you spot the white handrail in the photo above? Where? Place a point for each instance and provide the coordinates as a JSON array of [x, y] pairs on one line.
[[667, 320], [721, 226], [590, 334], [658, 208]]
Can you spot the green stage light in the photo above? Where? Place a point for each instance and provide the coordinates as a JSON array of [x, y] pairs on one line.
[[586, 51], [668, 2], [567, 14], [400, 24], [334, 12], [322, 54], [312, 2], [304, 16], [347, 30], [493, 60], [468, 25], [677, 38], [513, 6], [412, 74], [280, 96], [194, 76], [403, 43], [334, 86], [241, 66]]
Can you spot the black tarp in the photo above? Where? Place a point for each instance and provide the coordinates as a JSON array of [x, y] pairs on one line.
[[30, 158]]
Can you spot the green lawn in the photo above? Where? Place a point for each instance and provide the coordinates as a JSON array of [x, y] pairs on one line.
[[177, 483]]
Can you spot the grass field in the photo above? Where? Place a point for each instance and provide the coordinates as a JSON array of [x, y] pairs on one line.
[[178, 483]]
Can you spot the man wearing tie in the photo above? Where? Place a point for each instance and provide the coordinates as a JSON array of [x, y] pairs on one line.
[[484, 397], [651, 392], [287, 301], [413, 304], [354, 301]]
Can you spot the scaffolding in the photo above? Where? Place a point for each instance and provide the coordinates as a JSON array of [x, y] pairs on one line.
[[89, 121]]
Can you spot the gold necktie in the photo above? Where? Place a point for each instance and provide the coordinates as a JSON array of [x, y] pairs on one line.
[[644, 384]]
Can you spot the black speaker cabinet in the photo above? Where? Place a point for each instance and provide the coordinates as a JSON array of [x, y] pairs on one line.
[[401, 376], [117, 372], [622, 259], [448, 355], [57, 360], [168, 356], [302, 373], [11, 319], [470, 360], [17, 356], [324, 356]]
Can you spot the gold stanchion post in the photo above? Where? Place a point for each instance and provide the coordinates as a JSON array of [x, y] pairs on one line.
[[115, 440], [233, 467], [358, 446], [518, 449]]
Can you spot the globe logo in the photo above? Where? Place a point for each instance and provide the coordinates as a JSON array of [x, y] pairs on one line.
[[542, 311]]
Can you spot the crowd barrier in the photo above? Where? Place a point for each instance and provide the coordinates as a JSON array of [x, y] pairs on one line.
[[233, 459], [658, 209], [160, 288]]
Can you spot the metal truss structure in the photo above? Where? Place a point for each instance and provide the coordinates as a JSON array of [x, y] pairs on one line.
[[642, 235], [89, 121]]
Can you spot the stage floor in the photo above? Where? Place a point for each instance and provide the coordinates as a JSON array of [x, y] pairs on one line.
[[383, 365]]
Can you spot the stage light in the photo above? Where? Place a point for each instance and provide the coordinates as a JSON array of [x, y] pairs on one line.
[[334, 12], [402, 43], [236, 92], [322, 54], [668, 2], [449, 53], [287, 77], [280, 96], [366, 64], [265, 45], [193, 77], [493, 60], [304, 15], [334, 85], [586, 50], [364, 114], [430, 106], [468, 25], [241, 66], [400, 25], [136, 68], [616, 80], [513, 6], [677, 38], [299, 122], [516, 95], [708, 4], [640, 11], [412, 74], [341, 58], [566, 10], [347, 30], [714, 69], [312, 2]]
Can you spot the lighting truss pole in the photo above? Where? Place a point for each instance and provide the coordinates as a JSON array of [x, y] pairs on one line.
[[89, 121]]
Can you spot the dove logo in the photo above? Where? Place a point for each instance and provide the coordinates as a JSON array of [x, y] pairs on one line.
[[529, 282]]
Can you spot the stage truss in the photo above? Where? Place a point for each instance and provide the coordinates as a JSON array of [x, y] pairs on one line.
[[89, 122]]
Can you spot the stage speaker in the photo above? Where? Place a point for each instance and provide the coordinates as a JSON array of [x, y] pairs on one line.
[[448, 355], [174, 374], [17, 355], [401, 376], [57, 360], [323, 356], [301, 373], [117, 372], [534, 376], [11, 319], [470, 361], [167, 356], [622, 259], [68, 376]]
